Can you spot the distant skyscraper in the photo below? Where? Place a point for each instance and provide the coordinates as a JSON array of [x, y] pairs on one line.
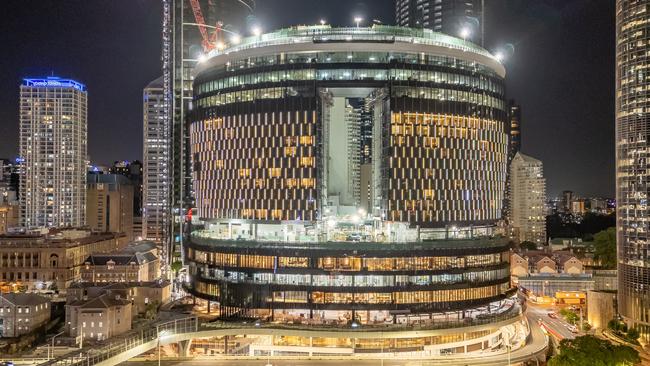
[[528, 198], [53, 150], [190, 30], [156, 180], [515, 128], [567, 201], [454, 17], [632, 173]]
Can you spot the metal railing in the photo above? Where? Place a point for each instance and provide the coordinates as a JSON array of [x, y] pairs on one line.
[[119, 345], [158, 332]]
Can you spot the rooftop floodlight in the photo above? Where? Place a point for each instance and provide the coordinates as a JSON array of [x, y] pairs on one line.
[[235, 39], [499, 56], [358, 20], [202, 57], [257, 31], [465, 33], [323, 22]]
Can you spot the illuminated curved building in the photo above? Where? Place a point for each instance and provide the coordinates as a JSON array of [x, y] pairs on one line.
[[353, 176], [632, 175]]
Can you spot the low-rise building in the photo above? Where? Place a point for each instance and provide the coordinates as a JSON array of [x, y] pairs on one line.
[[135, 263], [518, 265], [141, 294], [22, 313], [51, 259], [98, 318], [550, 285], [540, 262]]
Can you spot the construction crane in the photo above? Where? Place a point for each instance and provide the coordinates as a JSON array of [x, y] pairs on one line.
[[209, 42]]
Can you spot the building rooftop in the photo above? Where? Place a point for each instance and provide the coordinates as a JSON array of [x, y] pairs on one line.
[[119, 285], [120, 259], [54, 239], [22, 299], [101, 302], [53, 82], [376, 34]]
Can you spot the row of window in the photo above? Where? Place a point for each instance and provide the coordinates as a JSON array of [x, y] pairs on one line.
[[478, 82], [348, 263], [354, 281]]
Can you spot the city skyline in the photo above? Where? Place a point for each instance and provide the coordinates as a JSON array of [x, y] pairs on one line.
[[126, 51]]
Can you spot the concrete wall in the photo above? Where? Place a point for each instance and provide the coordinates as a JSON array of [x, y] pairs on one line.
[[600, 308]]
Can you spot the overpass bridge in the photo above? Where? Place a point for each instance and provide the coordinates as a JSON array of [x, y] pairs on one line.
[[182, 331]]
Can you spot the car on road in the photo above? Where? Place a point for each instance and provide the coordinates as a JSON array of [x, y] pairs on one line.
[[572, 328], [552, 315]]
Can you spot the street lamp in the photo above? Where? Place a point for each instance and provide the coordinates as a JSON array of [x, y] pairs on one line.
[[358, 20], [51, 350], [161, 334]]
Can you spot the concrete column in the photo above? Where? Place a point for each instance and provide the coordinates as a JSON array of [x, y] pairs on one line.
[[311, 346], [225, 345], [184, 348]]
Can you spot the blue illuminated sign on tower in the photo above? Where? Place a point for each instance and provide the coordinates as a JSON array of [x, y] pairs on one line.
[[54, 82]]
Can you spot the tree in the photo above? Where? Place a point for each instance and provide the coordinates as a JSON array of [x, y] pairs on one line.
[[528, 245], [633, 334], [591, 351], [605, 248], [176, 266]]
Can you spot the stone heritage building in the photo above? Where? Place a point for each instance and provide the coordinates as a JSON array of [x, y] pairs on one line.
[[22, 313], [52, 259]]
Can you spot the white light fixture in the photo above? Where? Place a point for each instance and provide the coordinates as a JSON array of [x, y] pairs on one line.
[[465, 33], [235, 39], [257, 31], [323, 22], [358, 20]]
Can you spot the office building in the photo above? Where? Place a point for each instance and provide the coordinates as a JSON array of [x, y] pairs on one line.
[[9, 181], [53, 151], [567, 201], [459, 18], [132, 170], [528, 199], [22, 314], [632, 175], [156, 169], [276, 152], [515, 129], [190, 29], [109, 204]]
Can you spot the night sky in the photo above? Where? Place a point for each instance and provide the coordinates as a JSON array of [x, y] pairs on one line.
[[561, 71]]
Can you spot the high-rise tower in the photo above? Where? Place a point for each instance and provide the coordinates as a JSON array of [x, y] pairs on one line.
[[527, 199], [632, 173], [53, 150], [459, 18], [156, 172], [191, 28]]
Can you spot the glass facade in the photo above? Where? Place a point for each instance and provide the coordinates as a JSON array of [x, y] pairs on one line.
[[278, 127], [632, 175]]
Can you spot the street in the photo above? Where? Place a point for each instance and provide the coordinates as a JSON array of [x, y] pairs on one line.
[[557, 327]]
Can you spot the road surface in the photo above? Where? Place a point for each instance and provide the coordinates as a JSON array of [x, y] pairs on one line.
[[559, 328]]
